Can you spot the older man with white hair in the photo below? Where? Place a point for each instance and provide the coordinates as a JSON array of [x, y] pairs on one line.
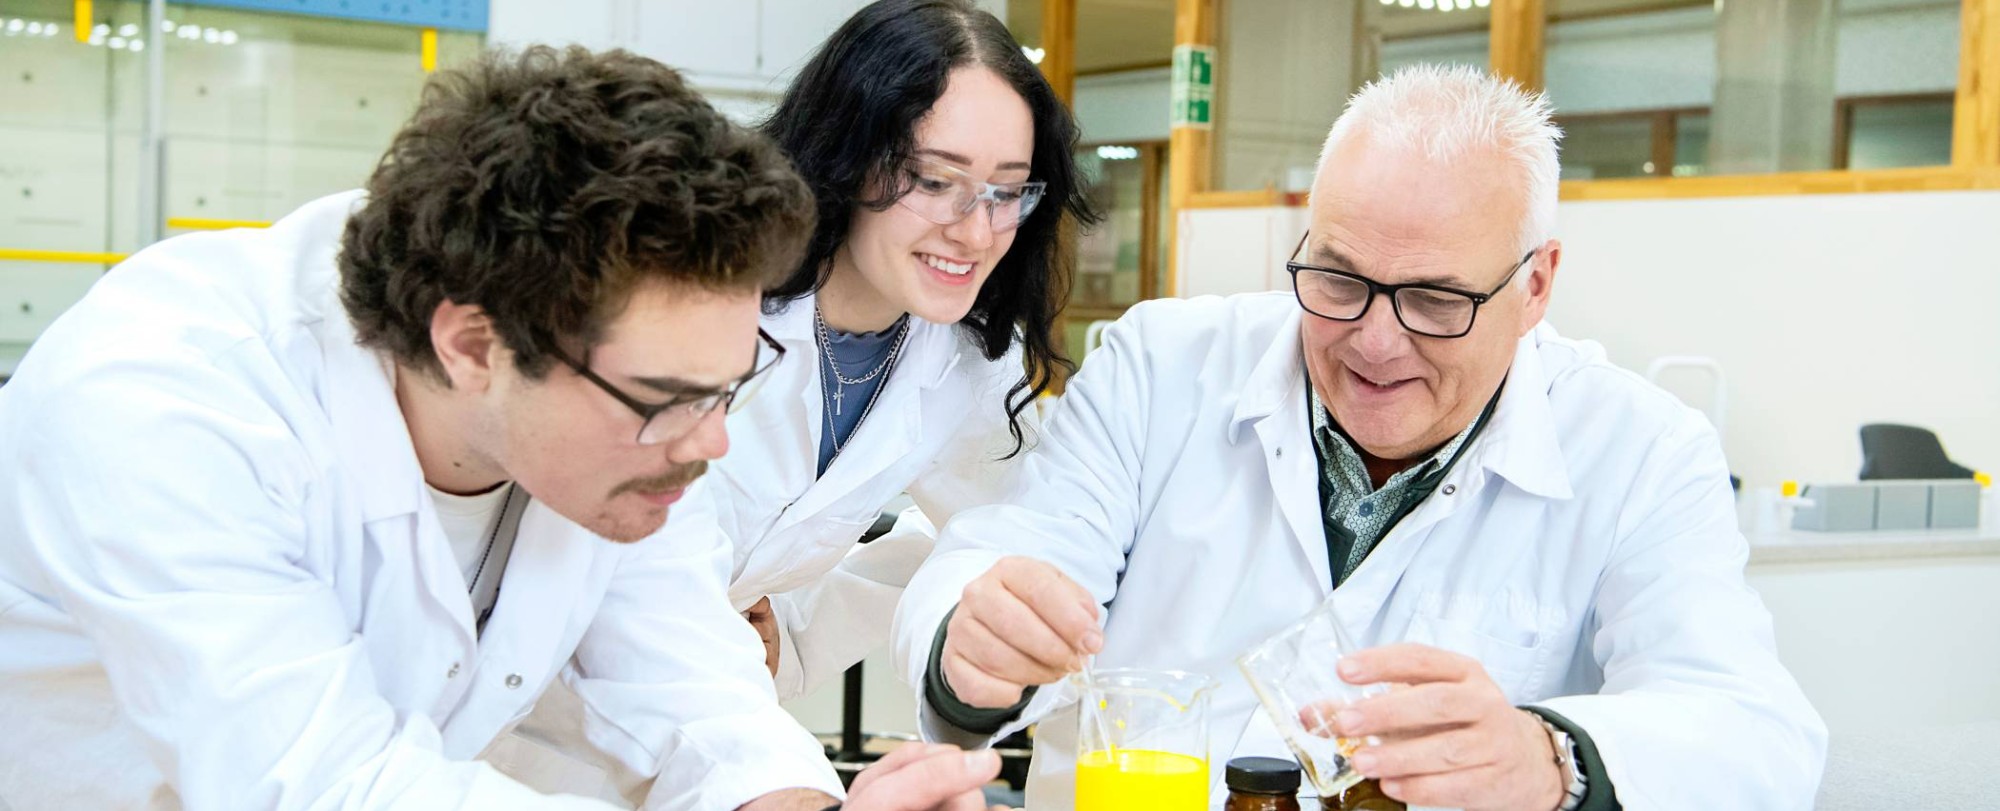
[[1539, 546]]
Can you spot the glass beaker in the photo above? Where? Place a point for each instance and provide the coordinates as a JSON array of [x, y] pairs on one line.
[[1142, 741], [1293, 674]]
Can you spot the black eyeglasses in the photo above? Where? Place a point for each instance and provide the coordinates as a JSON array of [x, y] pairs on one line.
[[663, 422], [1431, 310]]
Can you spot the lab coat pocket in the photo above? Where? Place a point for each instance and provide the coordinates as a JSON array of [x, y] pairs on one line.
[[1511, 656]]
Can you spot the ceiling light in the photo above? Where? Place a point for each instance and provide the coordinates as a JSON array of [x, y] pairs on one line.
[[101, 29], [166, 26], [1034, 55], [1464, 4], [14, 26], [211, 36], [229, 37], [137, 45], [1426, 5], [128, 30], [117, 43]]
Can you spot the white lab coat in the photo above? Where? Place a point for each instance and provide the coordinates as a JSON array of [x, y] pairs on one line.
[[1584, 549], [222, 584], [938, 431]]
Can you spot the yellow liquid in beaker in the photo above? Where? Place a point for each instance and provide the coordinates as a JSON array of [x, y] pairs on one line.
[[1141, 780]]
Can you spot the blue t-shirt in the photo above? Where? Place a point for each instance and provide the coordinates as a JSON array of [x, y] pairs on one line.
[[857, 354]]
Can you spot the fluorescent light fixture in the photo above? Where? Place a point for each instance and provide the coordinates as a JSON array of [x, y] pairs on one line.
[[137, 45], [128, 30], [166, 26], [229, 37], [15, 25], [117, 43], [1117, 153], [1034, 55]]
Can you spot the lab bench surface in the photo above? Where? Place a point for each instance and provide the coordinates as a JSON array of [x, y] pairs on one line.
[[1799, 546]]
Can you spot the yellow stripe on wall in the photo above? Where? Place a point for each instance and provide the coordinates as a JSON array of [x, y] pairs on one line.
[[430, 50], [72, 257], [83, 20], [207, 224]]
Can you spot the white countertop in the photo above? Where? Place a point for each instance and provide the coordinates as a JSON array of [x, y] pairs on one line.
[[1800, 546]]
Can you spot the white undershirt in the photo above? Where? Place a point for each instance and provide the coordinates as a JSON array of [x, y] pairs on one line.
[[468, 524]]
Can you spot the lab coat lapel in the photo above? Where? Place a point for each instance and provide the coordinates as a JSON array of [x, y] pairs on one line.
[[416, 570], [1518, 444], [1273, 405], [547, 594], [892, 428]]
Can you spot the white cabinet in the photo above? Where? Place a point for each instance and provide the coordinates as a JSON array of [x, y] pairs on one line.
[[737, 46], [703, 38]]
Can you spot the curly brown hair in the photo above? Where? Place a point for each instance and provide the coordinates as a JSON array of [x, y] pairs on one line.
[[545, 186]]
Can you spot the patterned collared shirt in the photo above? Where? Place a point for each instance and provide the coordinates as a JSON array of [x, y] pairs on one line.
[[1357, 515]]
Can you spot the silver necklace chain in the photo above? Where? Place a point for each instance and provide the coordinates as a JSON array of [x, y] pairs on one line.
[[841, 382], [834, 392]]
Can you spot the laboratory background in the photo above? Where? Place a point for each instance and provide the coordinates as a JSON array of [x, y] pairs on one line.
[[1785, 212]]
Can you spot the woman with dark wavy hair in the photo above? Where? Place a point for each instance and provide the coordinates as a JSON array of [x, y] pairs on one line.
[[918, 324]]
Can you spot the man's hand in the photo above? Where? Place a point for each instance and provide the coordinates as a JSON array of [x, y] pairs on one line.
[[923, 777], [766, 623], [1022, 623], [1449, 738]]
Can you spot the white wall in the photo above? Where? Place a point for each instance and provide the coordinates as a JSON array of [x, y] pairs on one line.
[[1825, 311]]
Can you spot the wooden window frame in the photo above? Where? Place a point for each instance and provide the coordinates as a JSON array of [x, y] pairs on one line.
[[1843, 117], [1665, 135], [1152, 155], [1517, 49]]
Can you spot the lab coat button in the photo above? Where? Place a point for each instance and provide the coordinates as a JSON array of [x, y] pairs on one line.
[[513, 680], [1281, 453], [453, 672], [1450, 489]]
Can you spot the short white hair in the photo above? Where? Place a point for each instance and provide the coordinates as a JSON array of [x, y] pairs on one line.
[[1449, 112]]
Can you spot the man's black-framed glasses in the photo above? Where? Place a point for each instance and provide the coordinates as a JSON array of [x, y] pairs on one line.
[[1431, 310], [665, 422]]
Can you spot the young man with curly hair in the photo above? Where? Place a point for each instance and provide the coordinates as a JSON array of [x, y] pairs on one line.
[[308, 517]]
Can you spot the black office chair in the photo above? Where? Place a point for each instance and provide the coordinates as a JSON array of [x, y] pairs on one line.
[[1891, 451]]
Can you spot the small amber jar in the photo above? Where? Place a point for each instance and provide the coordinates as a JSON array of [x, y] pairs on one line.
[[1262, 784], [1363, 796]]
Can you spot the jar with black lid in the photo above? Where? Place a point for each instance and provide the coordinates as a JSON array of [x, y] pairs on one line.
[[1262, 784]]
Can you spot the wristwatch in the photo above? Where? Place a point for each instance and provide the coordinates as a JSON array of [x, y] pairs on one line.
[[1565, 750]]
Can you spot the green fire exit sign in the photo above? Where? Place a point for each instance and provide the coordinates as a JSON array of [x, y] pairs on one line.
[[1193, 86]]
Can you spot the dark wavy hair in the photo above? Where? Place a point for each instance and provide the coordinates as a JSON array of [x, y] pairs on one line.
[[544, 187], [849, 123]]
